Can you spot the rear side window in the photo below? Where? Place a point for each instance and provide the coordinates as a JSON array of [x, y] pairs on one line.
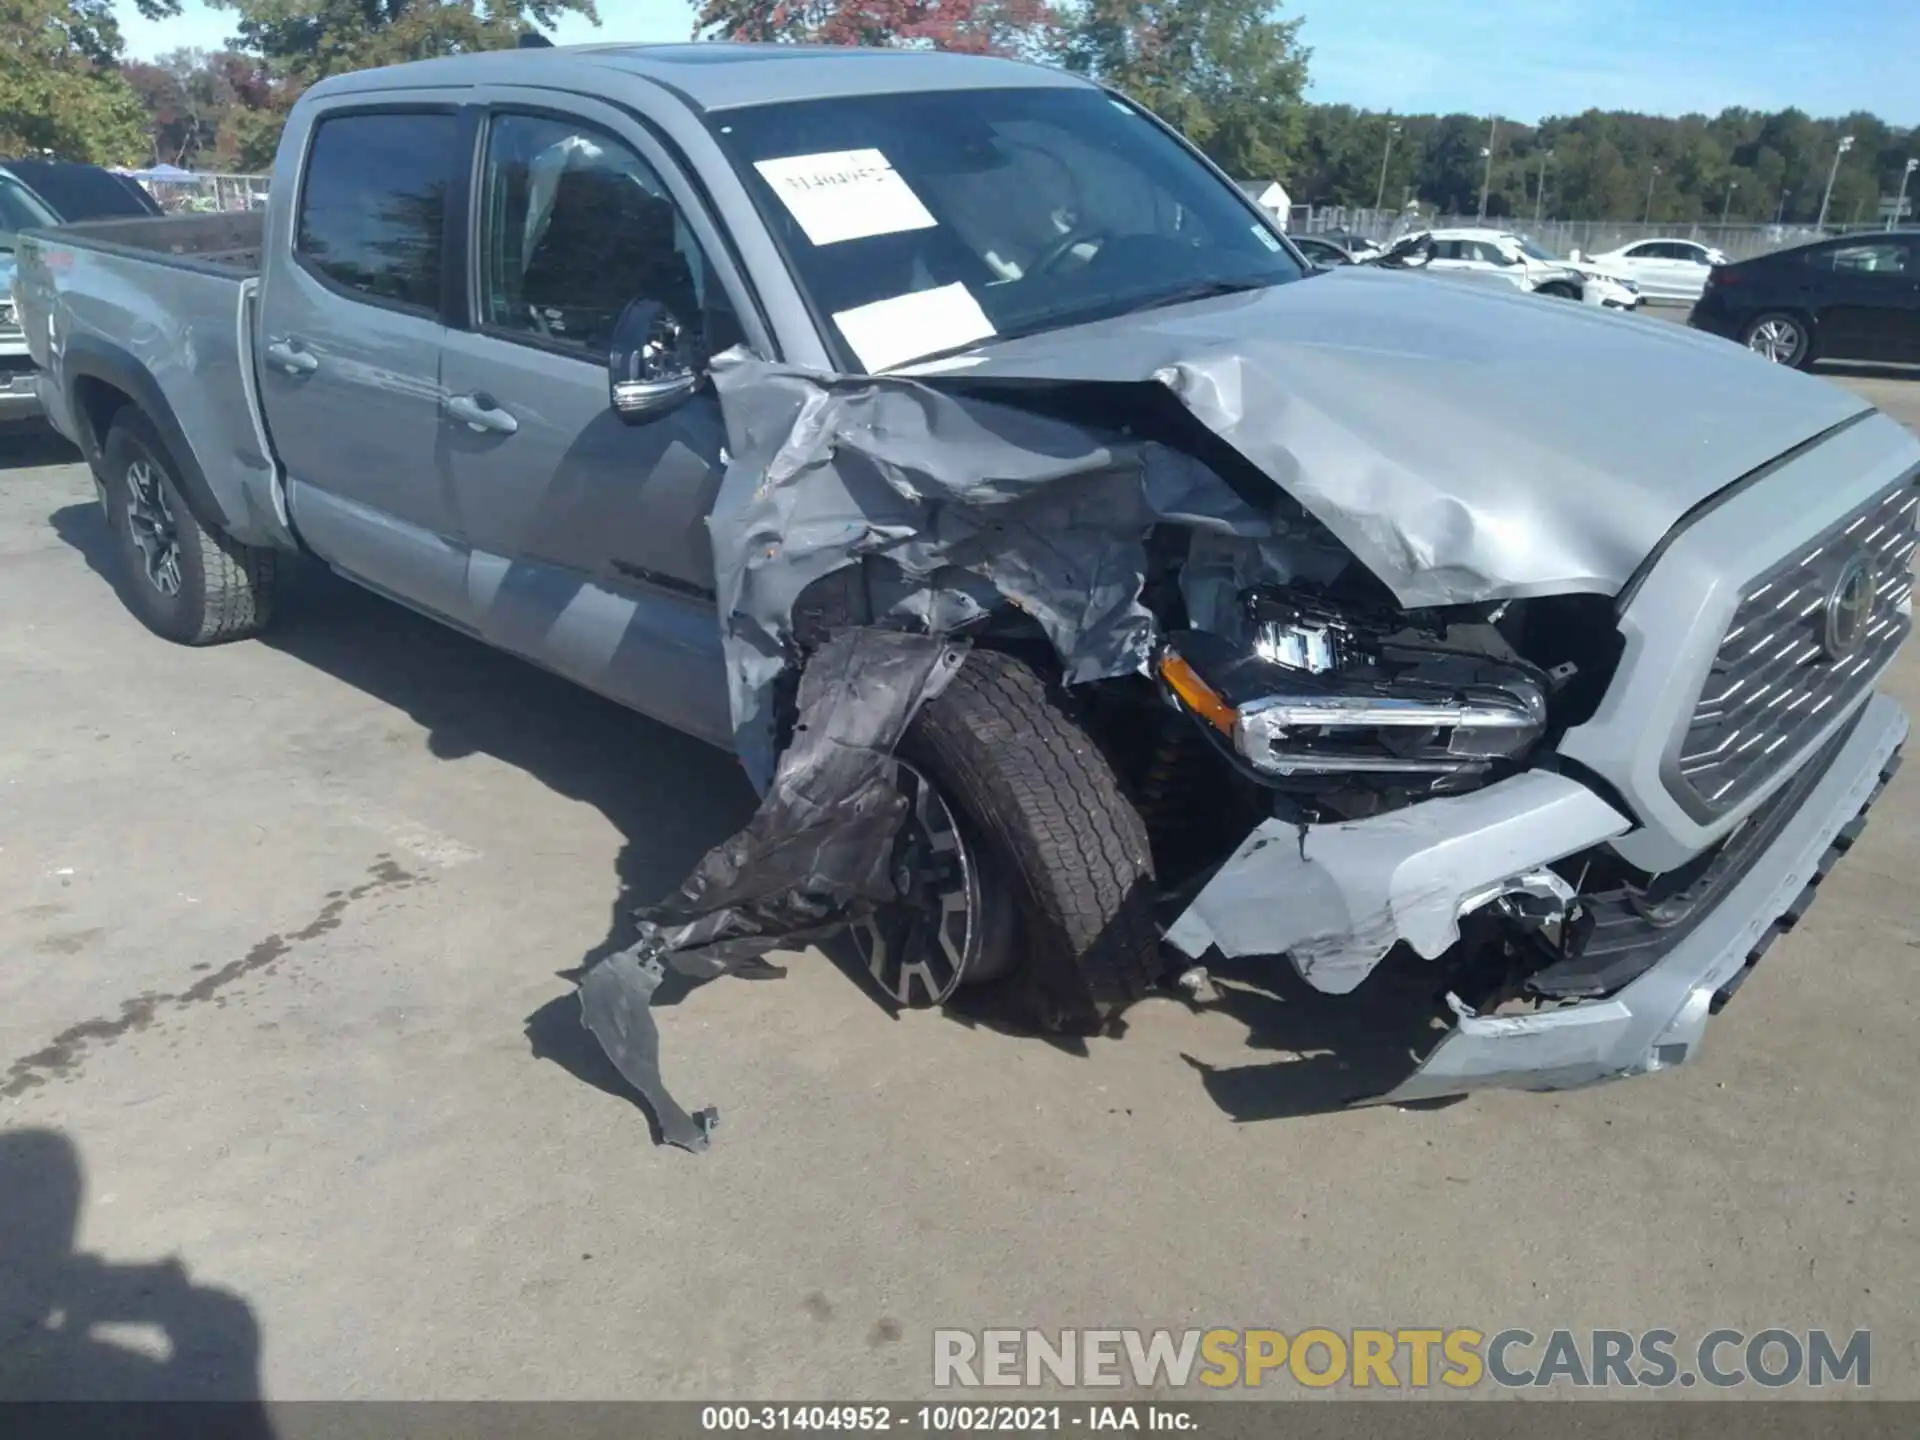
[[1882, 257], [373, 206]]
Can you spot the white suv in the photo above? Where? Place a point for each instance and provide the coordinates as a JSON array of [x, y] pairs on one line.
[[1499, 256]]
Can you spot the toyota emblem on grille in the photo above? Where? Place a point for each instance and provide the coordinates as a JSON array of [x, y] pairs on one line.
[[1849, 608]]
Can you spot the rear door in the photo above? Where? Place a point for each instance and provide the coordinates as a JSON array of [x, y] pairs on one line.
[[1689, 267], [1870, 291], [1648, 266], [588, 537], [351, 329]]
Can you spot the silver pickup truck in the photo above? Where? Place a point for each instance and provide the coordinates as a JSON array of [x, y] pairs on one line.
[[1258, 612]]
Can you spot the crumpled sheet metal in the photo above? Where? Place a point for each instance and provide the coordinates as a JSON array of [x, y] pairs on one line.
[[1336, 898], [816, 853], [1464, 446], [954, 502]]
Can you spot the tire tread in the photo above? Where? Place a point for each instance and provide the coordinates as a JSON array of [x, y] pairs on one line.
[[1006, 746]]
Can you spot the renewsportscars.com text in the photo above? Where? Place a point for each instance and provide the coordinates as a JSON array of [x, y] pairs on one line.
[[1459, 1358]]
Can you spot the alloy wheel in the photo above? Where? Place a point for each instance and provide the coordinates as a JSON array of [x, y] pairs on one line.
[[150, 523], [1778, 339], [919, 948]]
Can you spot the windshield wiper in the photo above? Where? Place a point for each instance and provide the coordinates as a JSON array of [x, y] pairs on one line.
[[1199, 290]]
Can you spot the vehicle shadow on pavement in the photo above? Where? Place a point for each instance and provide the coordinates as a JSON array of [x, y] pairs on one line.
[[75, 1326], [27, 443], [670, 797], [1339, 1050]]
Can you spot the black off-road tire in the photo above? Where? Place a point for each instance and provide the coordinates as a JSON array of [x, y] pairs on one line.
[[226, 590], [1033, 788]]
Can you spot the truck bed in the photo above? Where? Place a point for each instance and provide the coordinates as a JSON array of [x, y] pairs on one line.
[[161, 311], [227, 243]]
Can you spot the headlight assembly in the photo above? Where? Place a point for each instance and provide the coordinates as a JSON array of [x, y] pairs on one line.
[[1317, 695]]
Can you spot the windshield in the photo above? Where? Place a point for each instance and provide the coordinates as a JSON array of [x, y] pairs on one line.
[[1531, 249], [923, 223], [84, 192], [20, 210]]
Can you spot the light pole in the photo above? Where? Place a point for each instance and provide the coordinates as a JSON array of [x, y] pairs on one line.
[[1540, 195], [1900, 204], [1380, 195], [1846, 144], [1732, 185], [1780, 210], [1486, 153], [1653, 176]]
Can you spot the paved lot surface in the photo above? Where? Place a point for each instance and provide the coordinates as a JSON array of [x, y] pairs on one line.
[[281, 933]]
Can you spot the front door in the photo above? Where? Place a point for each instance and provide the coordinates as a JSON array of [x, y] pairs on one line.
[[588, 538], [1872, 310], [351, 331]]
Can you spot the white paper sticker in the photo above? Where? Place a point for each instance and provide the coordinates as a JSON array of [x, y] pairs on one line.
[[888, 332], [845, 195]]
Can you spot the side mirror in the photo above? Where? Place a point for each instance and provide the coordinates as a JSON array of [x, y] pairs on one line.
[[651, 365]]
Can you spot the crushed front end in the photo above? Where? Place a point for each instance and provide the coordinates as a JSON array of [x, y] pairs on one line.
[[1592, 814]]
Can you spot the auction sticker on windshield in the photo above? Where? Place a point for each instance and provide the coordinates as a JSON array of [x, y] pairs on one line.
[[845, 195], [906, 327]]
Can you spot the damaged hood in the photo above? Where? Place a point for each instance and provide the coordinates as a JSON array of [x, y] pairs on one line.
[[1465, 446]]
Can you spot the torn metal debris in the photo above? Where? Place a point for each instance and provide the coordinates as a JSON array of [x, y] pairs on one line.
[[817, 853]]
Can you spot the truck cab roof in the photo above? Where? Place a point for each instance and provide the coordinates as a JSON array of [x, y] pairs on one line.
[[713, 76]]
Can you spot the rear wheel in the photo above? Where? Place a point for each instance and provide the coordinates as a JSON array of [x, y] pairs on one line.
[[1781, 338], [1057, 862], [186, 582]]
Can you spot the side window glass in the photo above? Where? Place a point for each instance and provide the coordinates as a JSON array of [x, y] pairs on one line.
[[574, 226], [1645, 252], [374, 202], [1881, 258]]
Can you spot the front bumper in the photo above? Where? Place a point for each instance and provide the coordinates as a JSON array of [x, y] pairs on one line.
[[19, 397], [1658, 1020], [1335, 898]]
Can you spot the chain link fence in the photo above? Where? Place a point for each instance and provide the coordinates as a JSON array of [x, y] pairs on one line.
[[203, 194], [1563, 237]]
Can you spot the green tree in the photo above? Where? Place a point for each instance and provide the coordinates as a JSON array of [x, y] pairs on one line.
[[61, 88], [1749, 165], [985, 27], [301, 41], [1228, 73]]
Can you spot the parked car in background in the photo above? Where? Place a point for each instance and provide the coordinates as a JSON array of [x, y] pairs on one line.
[[20, 209], [1856, 298], [1499, 257], [48, 192], [1663, 269], [1357, 246], [1321, 251], [75, 191]]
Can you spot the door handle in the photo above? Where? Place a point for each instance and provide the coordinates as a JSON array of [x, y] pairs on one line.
[[480, 415], [288, 355]]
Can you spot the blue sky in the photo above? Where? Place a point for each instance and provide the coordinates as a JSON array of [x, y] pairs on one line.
[[1522, 58]]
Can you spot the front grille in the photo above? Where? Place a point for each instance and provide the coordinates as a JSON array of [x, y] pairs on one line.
[[1775, 680]]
